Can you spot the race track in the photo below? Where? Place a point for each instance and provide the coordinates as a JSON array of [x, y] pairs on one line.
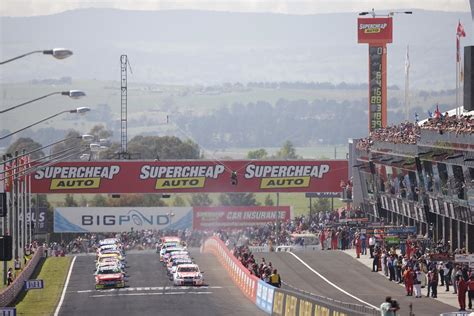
[[150, 292], [351, 276]]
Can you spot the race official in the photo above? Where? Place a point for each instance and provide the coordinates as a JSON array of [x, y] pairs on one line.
[[470, 290], [275, 279]]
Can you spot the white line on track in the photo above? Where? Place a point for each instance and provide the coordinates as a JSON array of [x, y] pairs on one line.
[[147, 294], [155, 288], [56, 312], [332, 284]]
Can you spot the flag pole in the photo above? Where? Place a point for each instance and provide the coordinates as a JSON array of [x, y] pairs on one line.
[[407, 85]]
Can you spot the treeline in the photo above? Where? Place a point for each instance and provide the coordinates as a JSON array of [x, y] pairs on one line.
[[292, 85], [261, 124]]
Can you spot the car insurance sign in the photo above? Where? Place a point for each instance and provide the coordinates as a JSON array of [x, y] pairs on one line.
[[34, 284]]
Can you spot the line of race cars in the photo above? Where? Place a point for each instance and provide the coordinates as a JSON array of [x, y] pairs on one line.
[[110, 264], [179, 264]]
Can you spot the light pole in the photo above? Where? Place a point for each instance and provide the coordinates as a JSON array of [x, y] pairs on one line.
[[58, 53], [170, 216], [79, 110], [73, 94]]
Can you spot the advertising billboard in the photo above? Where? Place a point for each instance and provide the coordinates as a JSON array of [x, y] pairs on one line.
[[120, 219], [190, 176], [374, 30], [228, 217]]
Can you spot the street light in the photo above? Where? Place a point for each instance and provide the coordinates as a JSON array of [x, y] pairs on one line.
[[73, 94], [58, 53], [79, 110], [391, 13]]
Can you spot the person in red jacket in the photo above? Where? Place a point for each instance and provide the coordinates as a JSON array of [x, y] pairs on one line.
[[358, 246], [462, 289], [322, 239], [470, 289], [409, 277]]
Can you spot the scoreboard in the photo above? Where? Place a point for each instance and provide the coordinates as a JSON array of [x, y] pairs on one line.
[[376, 86]]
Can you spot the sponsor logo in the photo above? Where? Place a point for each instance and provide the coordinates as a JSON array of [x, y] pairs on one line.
[[285, 176], [180, 183], [64, 178], [180, 177], [372, 27], [132, 217], [76, 183], [290, 182]]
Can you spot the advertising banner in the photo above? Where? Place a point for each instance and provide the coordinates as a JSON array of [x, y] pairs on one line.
[[265, 296], [220, 217], [120, 219], [374, 30], [190, 176], [40, 223]]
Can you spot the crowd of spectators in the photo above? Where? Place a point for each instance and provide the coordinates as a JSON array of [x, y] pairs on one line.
[[409, 133]]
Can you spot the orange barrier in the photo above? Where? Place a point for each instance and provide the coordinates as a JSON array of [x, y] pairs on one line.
[[246, 282]]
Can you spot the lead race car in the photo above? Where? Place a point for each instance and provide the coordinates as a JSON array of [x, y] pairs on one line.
[[188, 274], [109, 276]]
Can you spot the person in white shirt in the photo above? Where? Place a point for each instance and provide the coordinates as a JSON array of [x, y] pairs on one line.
[[371, 246], [389, 307]]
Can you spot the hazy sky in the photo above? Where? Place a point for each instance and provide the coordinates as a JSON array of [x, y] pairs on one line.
[[44, 7]]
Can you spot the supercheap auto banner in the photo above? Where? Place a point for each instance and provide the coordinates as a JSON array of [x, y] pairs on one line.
[[120, 219], [222, 217], [190, 176]]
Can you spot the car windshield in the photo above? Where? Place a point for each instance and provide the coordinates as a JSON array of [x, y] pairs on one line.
[[109, 271], [188, 269]]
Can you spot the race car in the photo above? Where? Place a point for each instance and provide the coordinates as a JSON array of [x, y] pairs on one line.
[[176, 263], [188, 274], [166, 252], [109, 277]]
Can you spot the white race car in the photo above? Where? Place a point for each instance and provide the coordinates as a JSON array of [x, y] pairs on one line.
[[188, 274]]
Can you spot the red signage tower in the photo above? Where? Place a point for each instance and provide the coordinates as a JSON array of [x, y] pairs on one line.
[[376, 32]]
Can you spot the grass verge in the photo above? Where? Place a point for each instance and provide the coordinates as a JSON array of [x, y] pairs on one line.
[[43, 302]]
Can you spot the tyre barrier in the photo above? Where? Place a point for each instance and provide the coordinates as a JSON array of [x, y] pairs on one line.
[[276, 301], [8, 295]]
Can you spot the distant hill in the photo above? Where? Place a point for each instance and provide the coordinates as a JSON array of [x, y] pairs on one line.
[[202, 47]]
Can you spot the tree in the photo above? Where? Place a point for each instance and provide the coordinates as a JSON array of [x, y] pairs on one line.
[[200, 199], [179, 201], [137, 200], [166, 147], [268, 200], [237, 199], [74, 141], [69, 201], [27, 144], [321, 205], [101, 132], [257, 154], [99, 200], [287, 151]]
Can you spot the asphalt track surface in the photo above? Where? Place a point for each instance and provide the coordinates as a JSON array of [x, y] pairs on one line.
[[150, 292], [350, 275]]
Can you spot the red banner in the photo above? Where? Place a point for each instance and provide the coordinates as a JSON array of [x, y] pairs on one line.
[[228, 217], [190, 176], [374, 30]]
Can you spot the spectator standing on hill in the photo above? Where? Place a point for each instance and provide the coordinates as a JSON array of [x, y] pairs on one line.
[[10, 276]]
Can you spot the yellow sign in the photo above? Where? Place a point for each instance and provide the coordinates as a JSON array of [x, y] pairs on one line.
[[290, 305], [306, 308], [180, 183], [75, 183], [289, 182], [278, 303]]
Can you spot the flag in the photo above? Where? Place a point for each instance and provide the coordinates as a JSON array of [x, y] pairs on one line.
[[459, 33], [437, 113], [430, 114], [417, 118], [407, 61]]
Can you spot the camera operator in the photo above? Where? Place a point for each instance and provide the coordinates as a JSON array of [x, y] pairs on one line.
[[389, 307]]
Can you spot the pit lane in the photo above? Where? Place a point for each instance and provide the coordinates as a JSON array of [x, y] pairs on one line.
[[348, 274], [150, 292]]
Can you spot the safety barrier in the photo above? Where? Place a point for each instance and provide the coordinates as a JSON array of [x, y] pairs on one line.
[[259, 249], [289, 303], [284, 248], [239, 274], [9, 294], [265, 293]]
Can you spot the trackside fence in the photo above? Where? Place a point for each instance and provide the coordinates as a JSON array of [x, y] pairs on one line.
[[276, 301], [246, 282], [9, 294]]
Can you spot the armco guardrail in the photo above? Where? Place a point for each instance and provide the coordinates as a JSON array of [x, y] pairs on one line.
[[276, 301], [240, 275], [9, 294], [290, 303]]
